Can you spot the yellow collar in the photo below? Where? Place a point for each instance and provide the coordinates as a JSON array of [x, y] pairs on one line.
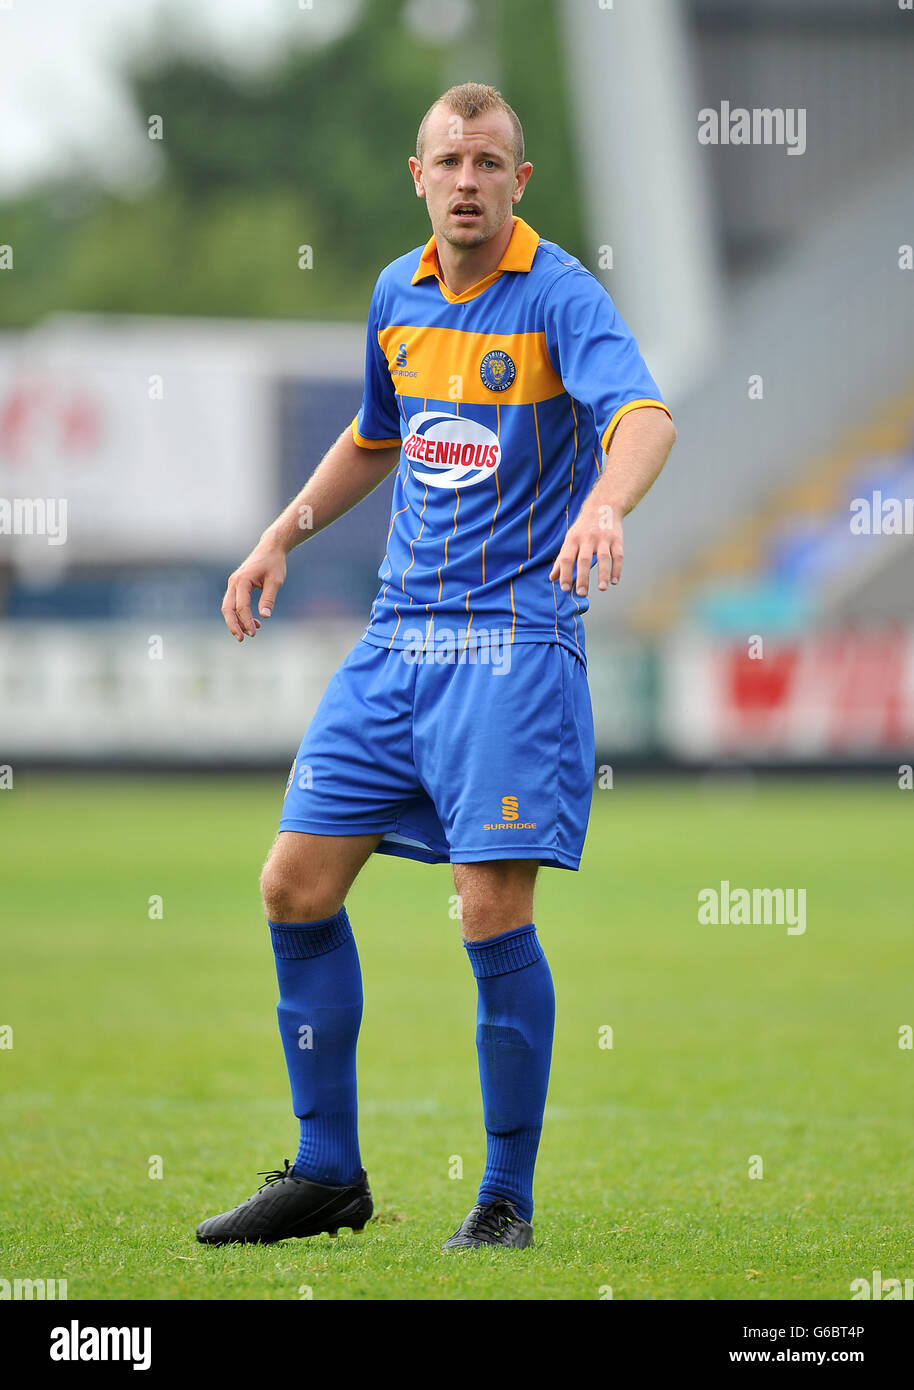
[[518, 255]]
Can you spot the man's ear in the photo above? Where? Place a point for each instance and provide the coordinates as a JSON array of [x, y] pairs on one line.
[[522, 173], [415, 168]]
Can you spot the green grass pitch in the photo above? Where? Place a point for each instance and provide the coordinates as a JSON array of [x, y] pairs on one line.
[[136, 1036]]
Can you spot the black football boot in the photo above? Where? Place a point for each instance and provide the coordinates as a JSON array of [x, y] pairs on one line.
[[286, 1207], [496, 1223]]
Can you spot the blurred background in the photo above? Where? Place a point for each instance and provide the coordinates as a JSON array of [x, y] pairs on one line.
[[193, 211], [195, 202]]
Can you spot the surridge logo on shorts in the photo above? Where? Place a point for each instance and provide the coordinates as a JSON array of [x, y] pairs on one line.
[[510, 817], [497, 370], [463, 450]]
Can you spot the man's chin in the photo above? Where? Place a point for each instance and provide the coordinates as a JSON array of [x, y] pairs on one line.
[[465, 238]]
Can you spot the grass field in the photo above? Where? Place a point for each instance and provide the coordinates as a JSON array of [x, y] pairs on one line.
[[136, 1036]]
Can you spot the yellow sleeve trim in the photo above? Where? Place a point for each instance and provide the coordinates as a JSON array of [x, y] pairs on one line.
[[623, 410], [364, 443]]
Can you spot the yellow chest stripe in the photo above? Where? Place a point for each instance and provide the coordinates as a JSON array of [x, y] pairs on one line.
[[444, 365]]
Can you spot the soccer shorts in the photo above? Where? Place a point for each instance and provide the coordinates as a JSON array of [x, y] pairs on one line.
[[458, 761]]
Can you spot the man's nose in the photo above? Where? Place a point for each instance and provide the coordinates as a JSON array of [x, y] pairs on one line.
[[467, 176]]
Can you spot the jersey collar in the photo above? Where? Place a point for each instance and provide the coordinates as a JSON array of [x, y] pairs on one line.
[[519, 254]]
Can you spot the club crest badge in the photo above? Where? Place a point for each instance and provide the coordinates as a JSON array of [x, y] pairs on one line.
[[497, 370]]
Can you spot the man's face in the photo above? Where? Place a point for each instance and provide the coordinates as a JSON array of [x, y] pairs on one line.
[[467, 176]]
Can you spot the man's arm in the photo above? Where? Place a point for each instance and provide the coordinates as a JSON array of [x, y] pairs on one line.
[[346, 474], [638, 450]]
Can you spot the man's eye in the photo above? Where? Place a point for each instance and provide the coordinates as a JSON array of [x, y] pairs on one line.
[[489, 162], [449, 160]]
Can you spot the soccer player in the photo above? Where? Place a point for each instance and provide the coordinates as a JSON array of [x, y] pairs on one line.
[[511, 398]]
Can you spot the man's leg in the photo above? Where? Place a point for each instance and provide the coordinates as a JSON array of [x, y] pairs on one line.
[[304, 882], [514, 1022], [304, 885]]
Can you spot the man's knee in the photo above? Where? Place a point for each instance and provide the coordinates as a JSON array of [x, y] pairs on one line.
[[291, 892], [306, 877], [495, 896]]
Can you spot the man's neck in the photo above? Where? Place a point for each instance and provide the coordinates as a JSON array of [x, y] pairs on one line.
[[462, 268]]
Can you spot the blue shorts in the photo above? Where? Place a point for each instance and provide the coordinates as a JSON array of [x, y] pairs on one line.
[[451, 762]]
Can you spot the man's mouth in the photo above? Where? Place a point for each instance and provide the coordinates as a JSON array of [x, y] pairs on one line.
[[466, 212]]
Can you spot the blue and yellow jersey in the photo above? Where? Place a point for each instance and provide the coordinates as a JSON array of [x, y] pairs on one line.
[[502, 400]]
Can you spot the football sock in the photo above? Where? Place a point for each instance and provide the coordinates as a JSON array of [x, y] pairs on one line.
[[515, 1019], [320, 1010]]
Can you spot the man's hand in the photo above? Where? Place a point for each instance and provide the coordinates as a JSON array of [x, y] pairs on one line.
[[640, 444], [346, 474], [264, 569], [597, 531]]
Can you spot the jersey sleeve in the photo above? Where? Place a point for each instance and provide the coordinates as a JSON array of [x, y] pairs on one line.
[[377, 425], [595, 354]]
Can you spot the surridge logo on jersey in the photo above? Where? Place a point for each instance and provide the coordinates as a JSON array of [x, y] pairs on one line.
[[509, 809], [497, 370], [399, 367], [462, 449]]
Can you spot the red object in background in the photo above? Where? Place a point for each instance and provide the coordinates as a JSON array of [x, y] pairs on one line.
[[15, 413], [79, 425], [839, 691], [28, 407], [760, 683]]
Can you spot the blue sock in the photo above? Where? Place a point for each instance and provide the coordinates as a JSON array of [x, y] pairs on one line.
[[514, 1026], [320, 1010]]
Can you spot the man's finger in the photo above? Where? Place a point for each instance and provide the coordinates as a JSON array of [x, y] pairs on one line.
[[603, 562], [268, 597], [585, 559], [616, 552], [566, 569], [243, 606], [564, 565], [228, 613]]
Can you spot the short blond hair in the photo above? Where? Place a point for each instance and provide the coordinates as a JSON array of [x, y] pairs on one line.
[[469, 100]]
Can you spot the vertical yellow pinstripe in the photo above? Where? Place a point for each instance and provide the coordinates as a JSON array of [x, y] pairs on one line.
[[412, 557], [539, 456], [497, 493], [428, 605], [391, 531], [574, 460], [383, 593], [469, 591], [449, 538], [412, 561]]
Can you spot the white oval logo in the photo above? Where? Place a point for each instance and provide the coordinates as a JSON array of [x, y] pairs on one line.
[[463, 451]]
